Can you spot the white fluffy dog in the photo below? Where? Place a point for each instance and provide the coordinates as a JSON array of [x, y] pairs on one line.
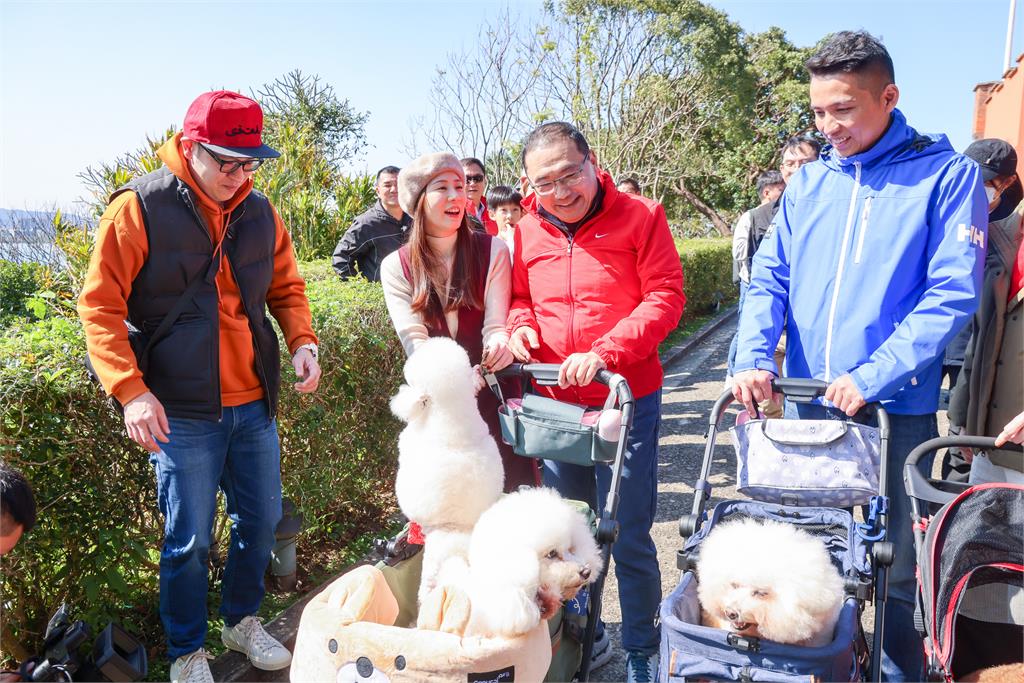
[[529, 552], [449, 469], [769, 580]]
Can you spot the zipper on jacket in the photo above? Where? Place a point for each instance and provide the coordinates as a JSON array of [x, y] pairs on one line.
[[851, 214], [863, 228], [572, 304], [271, 408], [206, 231]]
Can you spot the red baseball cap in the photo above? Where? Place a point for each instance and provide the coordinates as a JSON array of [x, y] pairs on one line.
[[229, 124]]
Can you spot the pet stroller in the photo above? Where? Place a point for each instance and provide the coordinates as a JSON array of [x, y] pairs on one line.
[[540, 427], [802, 473], [970, 563], [361, 626]]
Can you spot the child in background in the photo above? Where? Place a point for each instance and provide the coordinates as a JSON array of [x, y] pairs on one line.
[[505, 208]]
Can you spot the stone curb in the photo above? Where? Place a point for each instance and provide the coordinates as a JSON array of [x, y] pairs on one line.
[[688, 344], [233, 666]]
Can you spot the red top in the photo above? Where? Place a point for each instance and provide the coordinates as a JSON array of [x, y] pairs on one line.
[[616, 289], [1017, 277]]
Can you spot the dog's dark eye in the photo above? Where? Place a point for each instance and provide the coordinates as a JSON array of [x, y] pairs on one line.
[[553, 555], [734, 585], [759, 594]]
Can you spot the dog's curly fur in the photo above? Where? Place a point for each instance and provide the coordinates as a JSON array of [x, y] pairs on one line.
[[529, 552], [769, 580], [449, 469]]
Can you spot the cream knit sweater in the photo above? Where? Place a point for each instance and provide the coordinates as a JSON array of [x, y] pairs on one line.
[[409, 325]]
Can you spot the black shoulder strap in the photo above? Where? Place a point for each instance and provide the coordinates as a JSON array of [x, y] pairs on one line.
[[209, 273]]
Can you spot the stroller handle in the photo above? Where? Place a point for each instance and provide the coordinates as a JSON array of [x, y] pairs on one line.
[[800, 390], [923, 488], [546, 374]]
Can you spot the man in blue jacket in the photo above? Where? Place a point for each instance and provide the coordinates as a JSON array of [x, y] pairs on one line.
[[876, 256]]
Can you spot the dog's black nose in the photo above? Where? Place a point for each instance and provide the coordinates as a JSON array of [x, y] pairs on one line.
[[585, 573], [732, 616]]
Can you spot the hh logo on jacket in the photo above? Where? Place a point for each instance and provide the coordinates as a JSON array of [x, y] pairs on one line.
[[974, 236]]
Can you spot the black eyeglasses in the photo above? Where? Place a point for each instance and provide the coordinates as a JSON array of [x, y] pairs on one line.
[[229, 166], [475, 178]]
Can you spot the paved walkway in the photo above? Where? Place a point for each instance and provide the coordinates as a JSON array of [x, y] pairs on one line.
[[692, 385]]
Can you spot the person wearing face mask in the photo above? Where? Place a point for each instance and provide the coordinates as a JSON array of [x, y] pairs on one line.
[[987, 396], [872, 265], [450, 280]]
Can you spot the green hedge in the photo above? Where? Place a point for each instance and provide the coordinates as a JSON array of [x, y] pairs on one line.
[[707, 268], [97, 541]]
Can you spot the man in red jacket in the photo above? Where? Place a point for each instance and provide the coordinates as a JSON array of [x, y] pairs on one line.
[[596, 283]]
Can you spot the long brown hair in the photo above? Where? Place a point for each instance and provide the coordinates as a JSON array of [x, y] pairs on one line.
[[430, 278]]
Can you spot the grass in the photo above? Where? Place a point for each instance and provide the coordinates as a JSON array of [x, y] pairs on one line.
[[678, 335]]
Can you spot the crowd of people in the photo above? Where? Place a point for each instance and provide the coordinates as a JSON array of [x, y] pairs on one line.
[[862, 262]]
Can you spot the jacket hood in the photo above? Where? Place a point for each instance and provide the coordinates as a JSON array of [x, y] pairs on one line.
[[174, 158], [899, 143]]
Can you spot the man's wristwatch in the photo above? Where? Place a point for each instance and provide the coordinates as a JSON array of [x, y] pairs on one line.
[[312, 349]]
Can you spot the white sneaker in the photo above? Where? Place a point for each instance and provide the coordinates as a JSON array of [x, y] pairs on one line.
[[192, 668], [601, 653], [249, 638], [641, 668]]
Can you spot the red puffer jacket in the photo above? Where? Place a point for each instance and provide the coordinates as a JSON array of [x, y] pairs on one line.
[[615, 289]]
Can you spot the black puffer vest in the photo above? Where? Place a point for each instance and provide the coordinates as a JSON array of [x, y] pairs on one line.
[[183, 369]]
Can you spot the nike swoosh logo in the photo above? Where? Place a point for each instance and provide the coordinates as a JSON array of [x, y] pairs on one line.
[[599, 235]]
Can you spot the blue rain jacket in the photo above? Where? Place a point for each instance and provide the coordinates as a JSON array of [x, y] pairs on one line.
[[873, 264]]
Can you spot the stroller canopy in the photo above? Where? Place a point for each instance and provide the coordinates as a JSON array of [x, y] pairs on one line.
[[973, 541]]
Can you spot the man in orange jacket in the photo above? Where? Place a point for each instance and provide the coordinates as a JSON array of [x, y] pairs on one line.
[[187, 261]]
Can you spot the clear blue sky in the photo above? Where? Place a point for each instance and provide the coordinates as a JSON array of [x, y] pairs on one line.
[[83, 82]]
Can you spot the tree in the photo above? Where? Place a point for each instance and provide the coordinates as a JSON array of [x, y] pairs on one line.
[[484, 98], [669, 91]]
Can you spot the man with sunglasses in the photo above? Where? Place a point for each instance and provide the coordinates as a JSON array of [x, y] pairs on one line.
[[187, 261], [596, 284], [476, 203]]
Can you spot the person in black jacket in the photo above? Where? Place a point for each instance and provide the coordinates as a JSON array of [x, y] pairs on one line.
[[375, 233]]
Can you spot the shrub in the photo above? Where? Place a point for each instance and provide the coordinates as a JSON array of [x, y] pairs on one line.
[[97, 541], [18, 282], [707, 267]]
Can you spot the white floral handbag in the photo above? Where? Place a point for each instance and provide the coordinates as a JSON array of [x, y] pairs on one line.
[[829, 463]]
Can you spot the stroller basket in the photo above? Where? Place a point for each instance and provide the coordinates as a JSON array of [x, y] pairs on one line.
[[833, 463], [540, 427]]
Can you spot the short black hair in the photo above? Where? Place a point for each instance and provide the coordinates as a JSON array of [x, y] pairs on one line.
[[630, 181], [553, 130], [503, 194], [856, 52], [387, 169], [16, 497], [798, 141], [767, 179], [470, 161]]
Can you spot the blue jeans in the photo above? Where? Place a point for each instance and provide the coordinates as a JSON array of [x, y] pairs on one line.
[[240, 455], [902, 650], [636, 558], [734, 344]]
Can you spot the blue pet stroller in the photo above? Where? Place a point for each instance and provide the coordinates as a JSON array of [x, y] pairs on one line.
[[828, 464], [970, 566]]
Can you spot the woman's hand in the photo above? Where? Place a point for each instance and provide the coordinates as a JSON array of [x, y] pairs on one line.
[[496, 356]]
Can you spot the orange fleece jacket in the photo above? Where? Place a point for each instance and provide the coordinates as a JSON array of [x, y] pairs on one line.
[[121, 250]]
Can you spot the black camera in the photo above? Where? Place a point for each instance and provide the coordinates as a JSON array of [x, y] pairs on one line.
[[116, 655]]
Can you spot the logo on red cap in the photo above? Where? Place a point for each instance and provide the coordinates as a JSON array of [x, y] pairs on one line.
[[227, 122]]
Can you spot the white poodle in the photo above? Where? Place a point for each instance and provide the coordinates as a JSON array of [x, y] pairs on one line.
[[529, 552], [769, 580], [449, 469]]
